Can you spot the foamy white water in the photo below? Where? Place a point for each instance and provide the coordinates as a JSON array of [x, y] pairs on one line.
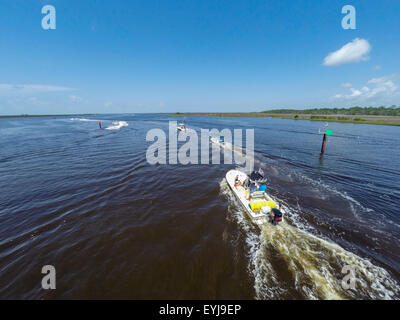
[[84, 119], [116, 125], [314, 263]]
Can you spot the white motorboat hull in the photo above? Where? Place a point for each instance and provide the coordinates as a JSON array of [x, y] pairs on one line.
[[256, 217], [182, 128]]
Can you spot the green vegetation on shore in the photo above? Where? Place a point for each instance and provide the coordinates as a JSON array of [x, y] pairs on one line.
[[300, 115], [372, 111]]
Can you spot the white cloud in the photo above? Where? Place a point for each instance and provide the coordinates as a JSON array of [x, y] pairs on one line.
[[75, 99], [347, 85], [354, 51], [375, 89], [30, 88]]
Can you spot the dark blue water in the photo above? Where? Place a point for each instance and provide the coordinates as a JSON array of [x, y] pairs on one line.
[[86, 201]]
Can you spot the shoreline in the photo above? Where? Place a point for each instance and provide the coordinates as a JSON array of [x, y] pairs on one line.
[[358, 119], [46, 115]]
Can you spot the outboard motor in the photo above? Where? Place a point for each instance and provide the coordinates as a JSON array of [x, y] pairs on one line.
[[276, 216], [255, 176]]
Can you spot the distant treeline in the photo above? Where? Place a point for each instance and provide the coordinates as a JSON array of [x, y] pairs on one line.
[[373, 111], [47, 115]]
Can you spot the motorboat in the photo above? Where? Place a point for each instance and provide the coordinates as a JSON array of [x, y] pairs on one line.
[[181, 127], [252, 194]]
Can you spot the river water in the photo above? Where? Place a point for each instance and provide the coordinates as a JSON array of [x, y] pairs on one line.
[[87, 202]]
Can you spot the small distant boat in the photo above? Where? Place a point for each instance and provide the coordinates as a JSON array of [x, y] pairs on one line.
[[252, 194], [220, 141], [181, 127]]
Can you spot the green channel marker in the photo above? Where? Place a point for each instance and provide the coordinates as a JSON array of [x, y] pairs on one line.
[[328, 132]]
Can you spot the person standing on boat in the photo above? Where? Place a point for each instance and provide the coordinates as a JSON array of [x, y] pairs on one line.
[[253, 187], [237, 181]]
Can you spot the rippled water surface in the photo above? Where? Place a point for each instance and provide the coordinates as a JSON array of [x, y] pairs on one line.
[[86, 201]]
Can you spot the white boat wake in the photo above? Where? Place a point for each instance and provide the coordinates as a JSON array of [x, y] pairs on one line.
[[313, 265], [116, 125], [83, 119]]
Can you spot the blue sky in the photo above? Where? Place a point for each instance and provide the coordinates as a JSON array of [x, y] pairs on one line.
[[189, 55]]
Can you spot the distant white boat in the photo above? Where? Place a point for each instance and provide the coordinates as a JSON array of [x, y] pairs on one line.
[[220, 141], [181, 127]]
